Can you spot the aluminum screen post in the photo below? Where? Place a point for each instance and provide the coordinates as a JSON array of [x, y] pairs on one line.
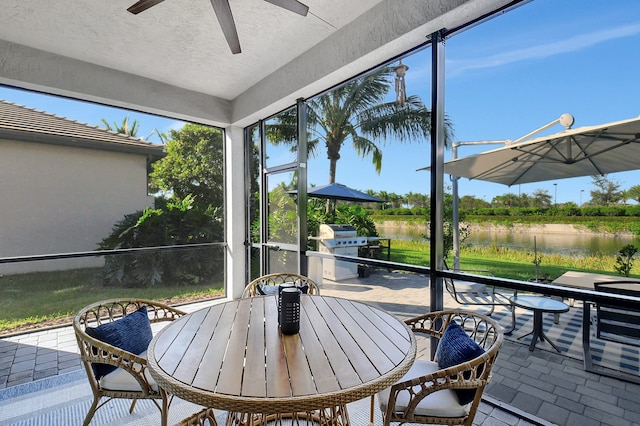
[[437, 172], [303, 266]]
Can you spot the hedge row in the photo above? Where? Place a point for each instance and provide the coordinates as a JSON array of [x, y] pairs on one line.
[[588, 211]]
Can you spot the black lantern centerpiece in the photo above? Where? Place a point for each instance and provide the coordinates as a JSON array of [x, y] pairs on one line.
[[280, 288], [289, 310]]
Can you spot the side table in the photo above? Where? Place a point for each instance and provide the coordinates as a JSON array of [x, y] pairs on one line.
[[539, 305]]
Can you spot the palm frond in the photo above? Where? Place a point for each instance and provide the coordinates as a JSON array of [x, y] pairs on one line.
[[365, 147]]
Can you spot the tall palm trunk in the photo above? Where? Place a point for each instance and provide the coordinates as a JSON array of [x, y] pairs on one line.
[[334, 155], [330, 209]]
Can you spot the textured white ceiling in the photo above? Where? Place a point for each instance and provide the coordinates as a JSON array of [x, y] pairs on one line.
[[178, 42], [173, 59]]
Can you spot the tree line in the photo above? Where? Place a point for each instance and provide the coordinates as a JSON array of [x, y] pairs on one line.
[[606, 192]]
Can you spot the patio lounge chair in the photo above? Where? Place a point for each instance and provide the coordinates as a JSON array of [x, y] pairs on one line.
[[448, 389], [612, 323], [113, 336], [478, 294]]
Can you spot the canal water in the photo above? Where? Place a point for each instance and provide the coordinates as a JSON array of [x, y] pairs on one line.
[[566, 244]]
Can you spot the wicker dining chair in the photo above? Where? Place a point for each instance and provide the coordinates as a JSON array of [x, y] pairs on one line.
[[108, 334], [204, 417], [448, 389], [255, 287]]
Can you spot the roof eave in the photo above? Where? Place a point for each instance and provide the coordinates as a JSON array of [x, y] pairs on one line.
[[155, 152]]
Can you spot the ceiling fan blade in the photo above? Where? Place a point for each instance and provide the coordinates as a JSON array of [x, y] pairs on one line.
[[143, 5], [292, 5], [225, 18]]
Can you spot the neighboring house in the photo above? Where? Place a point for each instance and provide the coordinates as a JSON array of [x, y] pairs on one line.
[[64, 184]]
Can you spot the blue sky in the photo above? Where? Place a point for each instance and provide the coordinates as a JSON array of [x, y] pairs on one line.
[[504, 79], [514, 74]]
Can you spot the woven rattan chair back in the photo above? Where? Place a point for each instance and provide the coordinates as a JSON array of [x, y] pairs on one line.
[[96, 351], [251, 289]]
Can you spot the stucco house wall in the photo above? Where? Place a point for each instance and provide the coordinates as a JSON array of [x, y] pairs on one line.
[[57, 198]]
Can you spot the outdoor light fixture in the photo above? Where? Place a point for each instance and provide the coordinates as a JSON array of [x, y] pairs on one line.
[[401, 92]]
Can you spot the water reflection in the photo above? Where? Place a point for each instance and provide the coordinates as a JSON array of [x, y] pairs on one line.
[[566, 244]]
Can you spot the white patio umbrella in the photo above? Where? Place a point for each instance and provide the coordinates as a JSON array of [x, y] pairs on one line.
[[585, 151]]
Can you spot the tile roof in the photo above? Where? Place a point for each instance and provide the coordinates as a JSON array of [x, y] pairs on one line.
[[22, 123]]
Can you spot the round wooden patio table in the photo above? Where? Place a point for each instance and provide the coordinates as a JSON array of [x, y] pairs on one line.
[[233, 357]]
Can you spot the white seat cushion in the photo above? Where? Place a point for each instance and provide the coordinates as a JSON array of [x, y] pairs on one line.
[[442, 403], [121, 380]]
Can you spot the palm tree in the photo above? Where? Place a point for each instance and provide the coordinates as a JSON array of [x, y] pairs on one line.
[[131, 129], [359, 113], [506, 200], [125, 128], [384, 196], [541, 198], [395, 200], [633, 193]]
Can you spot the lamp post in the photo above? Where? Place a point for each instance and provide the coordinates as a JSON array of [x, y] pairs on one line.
[[519, 197], [581, 191], [555, 195]]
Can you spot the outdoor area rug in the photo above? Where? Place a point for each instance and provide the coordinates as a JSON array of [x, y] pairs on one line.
[[65, 399], [567, 336]]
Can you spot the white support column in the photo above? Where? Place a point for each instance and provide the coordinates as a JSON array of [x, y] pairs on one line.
[[236, 211]]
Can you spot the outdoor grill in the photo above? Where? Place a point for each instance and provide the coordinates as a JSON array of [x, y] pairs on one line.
[[340, 240]]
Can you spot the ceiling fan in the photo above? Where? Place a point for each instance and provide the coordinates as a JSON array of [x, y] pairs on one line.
[[225, 18]]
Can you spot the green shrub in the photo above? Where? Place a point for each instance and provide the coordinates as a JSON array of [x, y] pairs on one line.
[[624, 260], [592, 211], [357, 217], [170, 223], [632, 210]]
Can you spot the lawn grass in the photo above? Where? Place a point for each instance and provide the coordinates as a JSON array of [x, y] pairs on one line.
[[45, 296], [34, 298], [507, 263]]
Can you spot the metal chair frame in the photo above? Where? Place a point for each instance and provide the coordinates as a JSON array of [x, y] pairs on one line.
[[480, 294]]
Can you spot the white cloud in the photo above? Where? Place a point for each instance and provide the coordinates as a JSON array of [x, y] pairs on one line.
[[572, 44]]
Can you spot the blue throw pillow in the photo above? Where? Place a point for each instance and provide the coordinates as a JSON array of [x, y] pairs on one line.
[[454, 348], [131, 333]]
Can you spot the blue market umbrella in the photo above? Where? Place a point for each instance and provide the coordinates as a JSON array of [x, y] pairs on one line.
[[338, 191]]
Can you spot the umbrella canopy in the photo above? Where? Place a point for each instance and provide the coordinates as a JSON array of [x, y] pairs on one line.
[[585, 151], [338, 191]]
